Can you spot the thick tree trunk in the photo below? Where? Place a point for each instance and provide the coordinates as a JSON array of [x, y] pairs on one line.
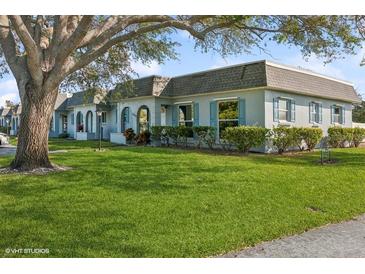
[[32, 149]]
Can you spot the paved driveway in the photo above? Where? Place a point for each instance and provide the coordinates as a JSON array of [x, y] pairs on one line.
[[343, 240], [7, 150]]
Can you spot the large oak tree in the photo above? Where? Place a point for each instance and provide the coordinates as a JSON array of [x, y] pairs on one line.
[[49, 53]]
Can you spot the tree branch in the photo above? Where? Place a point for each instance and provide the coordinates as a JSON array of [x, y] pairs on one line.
[[33, 55]]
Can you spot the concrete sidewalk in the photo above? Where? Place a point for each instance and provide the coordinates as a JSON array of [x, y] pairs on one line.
[[343, 240], [7, 150]]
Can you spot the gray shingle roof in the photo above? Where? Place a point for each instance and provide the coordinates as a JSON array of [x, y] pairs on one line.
[[84, 97], [243, 76], [228, 78], [305, 82]]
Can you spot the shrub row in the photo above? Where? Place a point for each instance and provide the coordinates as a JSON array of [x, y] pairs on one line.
[[339, 136], [5, 129], [180, 134], [248, 137]]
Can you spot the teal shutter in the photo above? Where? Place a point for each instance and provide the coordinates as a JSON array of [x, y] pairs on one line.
[[320, 114], [213, 114], [332, 113], [174, 116], [196, 114], [310, 112], [292, 110], [343, 115], [241, 112], [275, 104]]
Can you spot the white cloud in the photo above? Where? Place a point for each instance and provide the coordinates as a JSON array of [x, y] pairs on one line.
[[8, 91], [316, 65], [146, 70], [185, 34]]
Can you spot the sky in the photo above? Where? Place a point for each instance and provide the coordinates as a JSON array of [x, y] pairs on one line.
[[191, 60]]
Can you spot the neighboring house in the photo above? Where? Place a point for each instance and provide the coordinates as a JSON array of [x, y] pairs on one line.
[[15, 119], [259, 93], [5, 116]]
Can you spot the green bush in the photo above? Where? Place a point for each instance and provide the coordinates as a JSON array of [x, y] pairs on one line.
[[143, 138], [358, 135], [5, 129], [338, 136], [205, 134], [283, 138], [245, 137], [156, 132], [63, 135], [183, 132], [310, 136], [173, 134], [129, 135]]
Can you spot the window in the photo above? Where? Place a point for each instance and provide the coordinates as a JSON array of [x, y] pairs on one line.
[[103, 117], [72, 119], [186, 117], [89, 121], [64, 123], [283, 109], [227, 114], [315, 112], [337, 114], [143, 119]]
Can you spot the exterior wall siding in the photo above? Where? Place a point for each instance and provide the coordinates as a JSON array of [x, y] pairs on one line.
[[302, 110]]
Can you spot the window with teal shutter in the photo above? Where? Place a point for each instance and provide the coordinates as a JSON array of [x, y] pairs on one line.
[[292, 111], [276, 109], [196, 114], [241, 112], [174, 115], [213, 114]]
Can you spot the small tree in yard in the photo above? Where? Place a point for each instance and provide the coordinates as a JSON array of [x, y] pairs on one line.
[[245, 137], [47, 54]]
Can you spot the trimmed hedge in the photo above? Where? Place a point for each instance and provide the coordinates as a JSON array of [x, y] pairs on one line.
[[310, 136], [286, 137], [339, 136], [205, 135], [245, 137], [283, 138], [358, 135]]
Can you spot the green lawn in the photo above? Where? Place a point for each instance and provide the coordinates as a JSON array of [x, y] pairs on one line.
[[155, 202]]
